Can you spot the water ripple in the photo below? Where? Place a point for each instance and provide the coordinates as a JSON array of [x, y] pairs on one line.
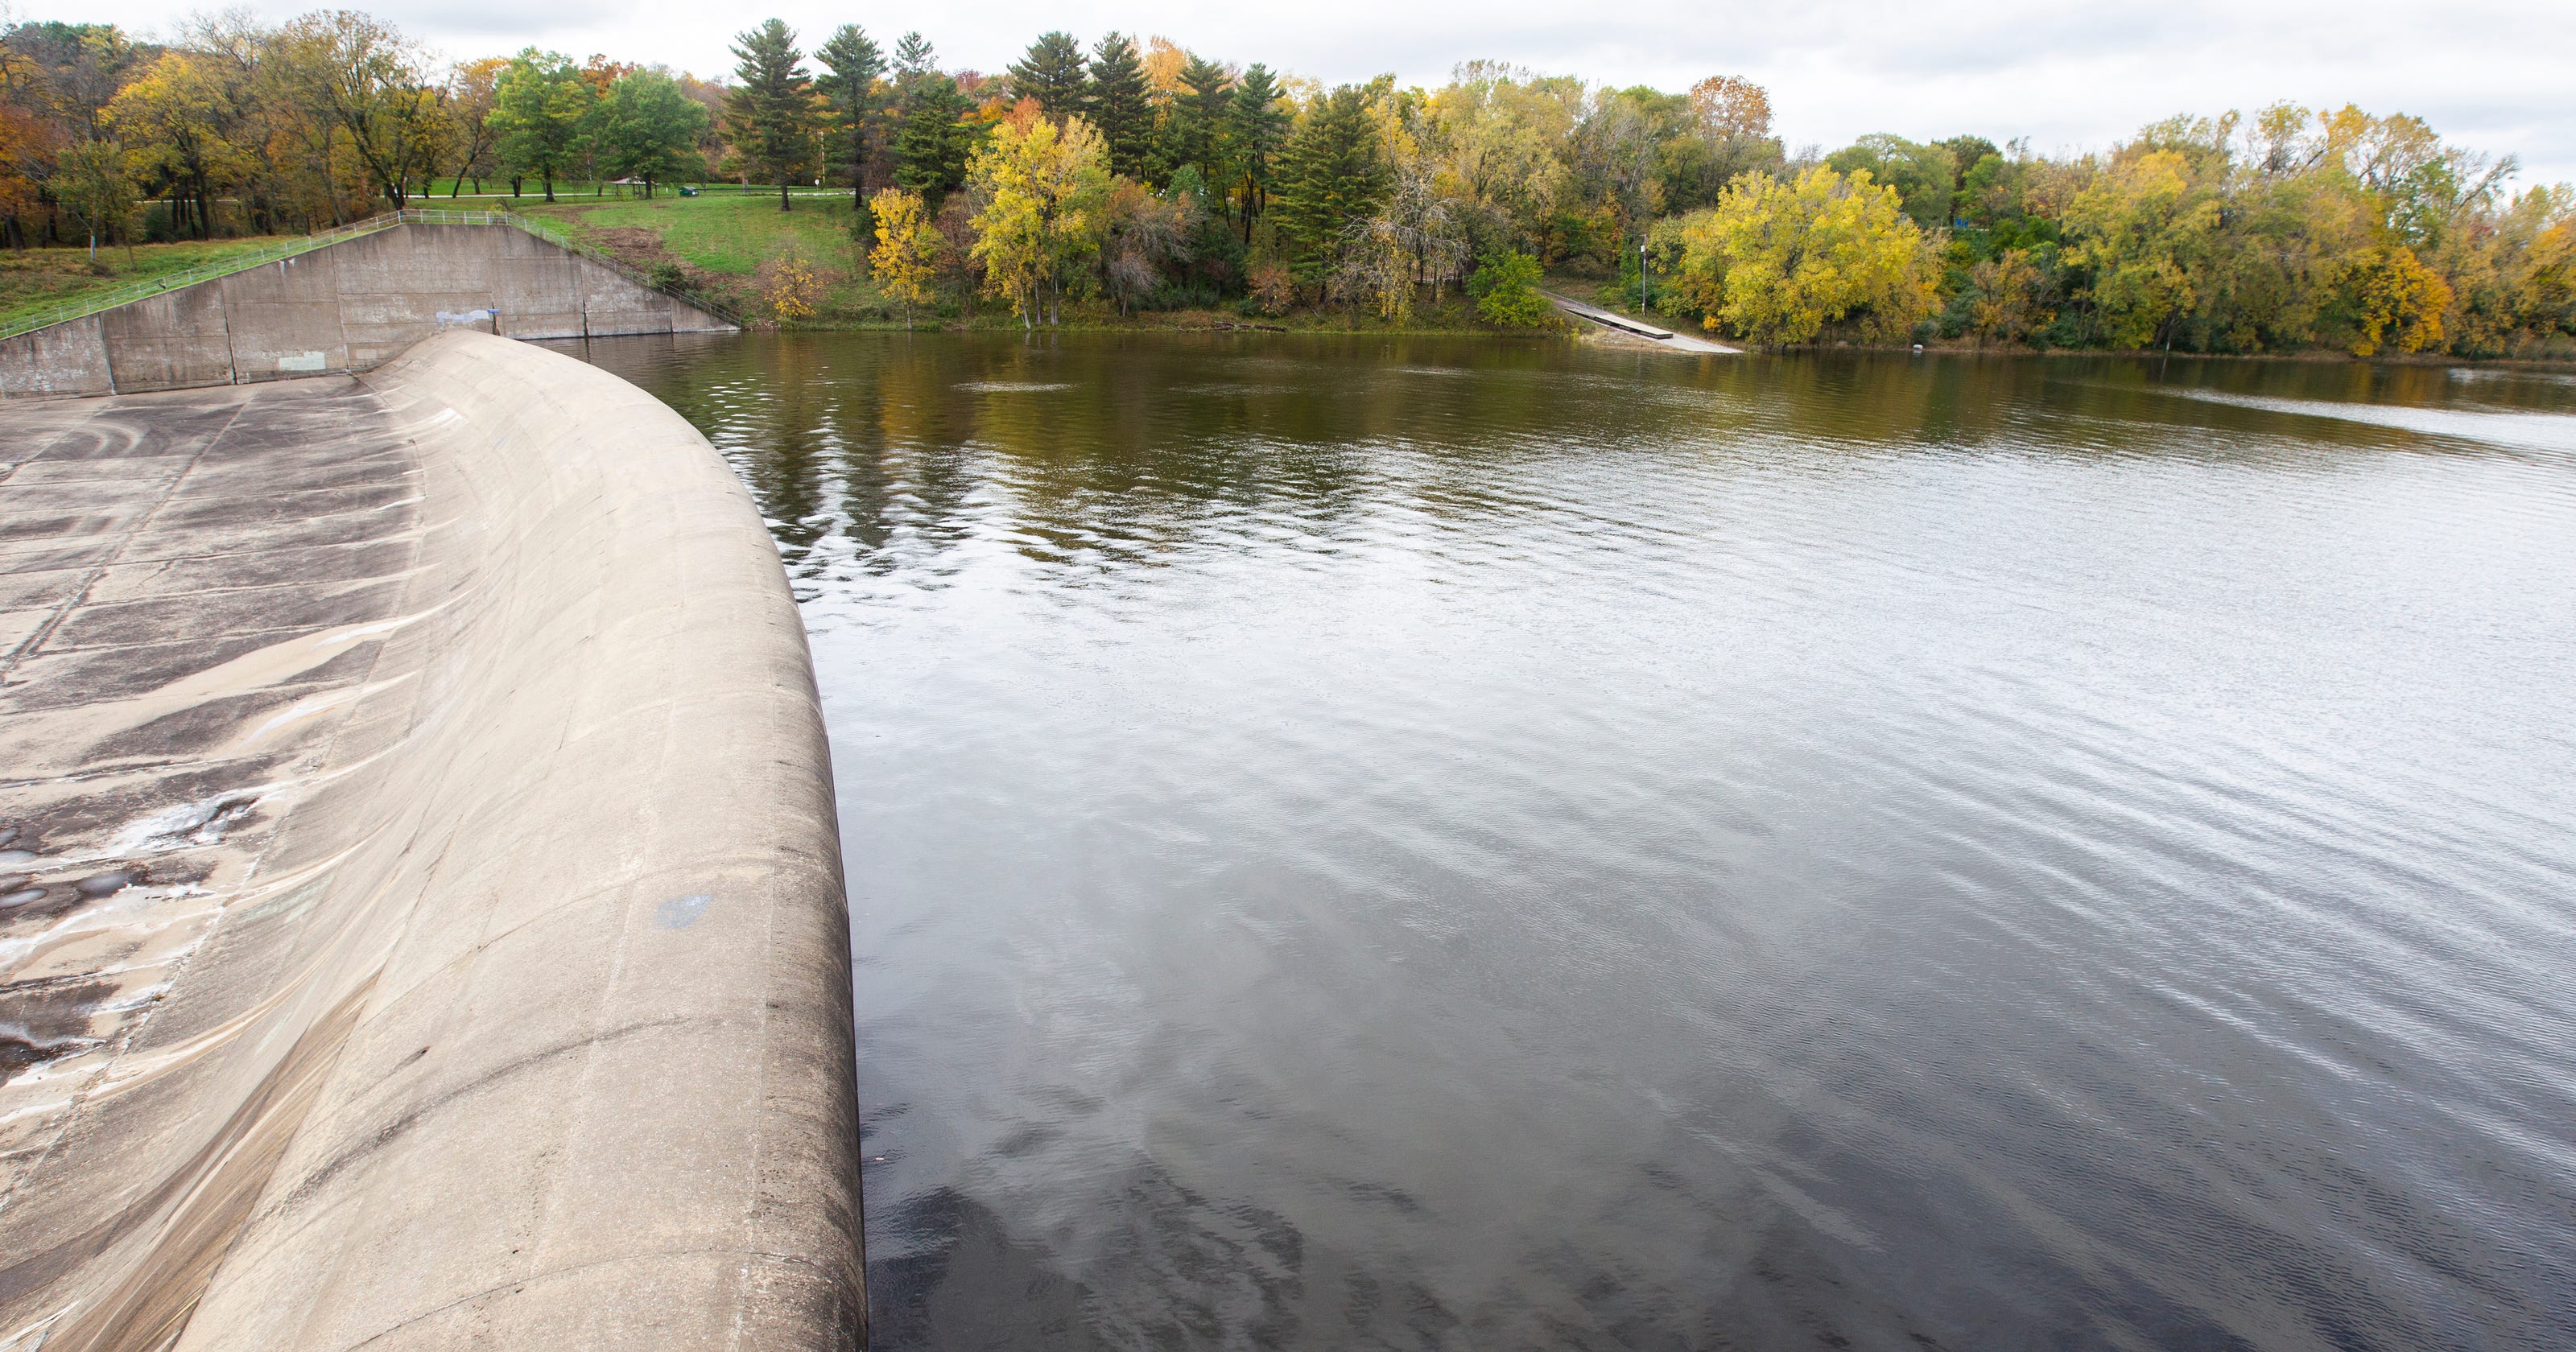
[[1432, 844]]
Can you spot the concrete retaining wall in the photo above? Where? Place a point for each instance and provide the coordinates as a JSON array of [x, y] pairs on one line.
[[527, 1023], [348, 307]]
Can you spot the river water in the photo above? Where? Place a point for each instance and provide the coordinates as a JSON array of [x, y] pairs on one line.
[[1445, 844]]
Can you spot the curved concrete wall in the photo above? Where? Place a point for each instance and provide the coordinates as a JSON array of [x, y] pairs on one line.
[[347, 307], [523, 1019]]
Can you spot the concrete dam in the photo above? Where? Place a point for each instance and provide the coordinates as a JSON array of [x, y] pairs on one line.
[[421, 916], [348, 307]]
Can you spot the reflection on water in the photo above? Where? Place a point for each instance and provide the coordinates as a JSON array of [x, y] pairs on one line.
[[1432, 844]]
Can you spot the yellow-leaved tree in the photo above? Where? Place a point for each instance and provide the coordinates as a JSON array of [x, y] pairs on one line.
[[2143, 229], [1776, 262], [906, 255], [178, 121], [1044, 187], [2395, 301]]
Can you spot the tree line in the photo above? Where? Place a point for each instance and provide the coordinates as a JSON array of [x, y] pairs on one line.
[[1145, 175]]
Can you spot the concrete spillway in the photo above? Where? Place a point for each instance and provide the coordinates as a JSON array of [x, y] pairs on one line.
[[347, 307], [421, 919]]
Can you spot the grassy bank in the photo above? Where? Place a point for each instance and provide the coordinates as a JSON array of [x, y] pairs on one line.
[[720, 240], [39, 279]]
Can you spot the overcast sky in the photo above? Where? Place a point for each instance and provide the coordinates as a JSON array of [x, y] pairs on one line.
[[2496, 75]]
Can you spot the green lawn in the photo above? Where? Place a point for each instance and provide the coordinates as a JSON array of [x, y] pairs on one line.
[[720, 241], [38, 278]]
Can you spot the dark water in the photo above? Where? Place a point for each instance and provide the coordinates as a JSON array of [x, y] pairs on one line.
[[1437, 845]]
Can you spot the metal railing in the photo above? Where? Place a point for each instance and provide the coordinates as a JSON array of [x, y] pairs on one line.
[[85, 306]]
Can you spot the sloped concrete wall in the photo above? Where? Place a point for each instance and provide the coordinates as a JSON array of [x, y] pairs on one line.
[[348, 307], [480, 973]]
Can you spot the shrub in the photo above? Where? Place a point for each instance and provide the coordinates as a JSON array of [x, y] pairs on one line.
[[791, 286], [1273, 291], [1506, 290], [666, 276]]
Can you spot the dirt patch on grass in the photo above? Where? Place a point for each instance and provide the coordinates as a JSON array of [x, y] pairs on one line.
[[640, 248]]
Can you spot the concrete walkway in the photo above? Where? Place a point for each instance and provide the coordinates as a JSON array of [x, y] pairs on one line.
[[421, 922], [1621, 324]]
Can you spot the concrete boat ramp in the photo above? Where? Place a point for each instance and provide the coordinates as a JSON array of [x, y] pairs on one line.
[[421, 921], [1612, 322]]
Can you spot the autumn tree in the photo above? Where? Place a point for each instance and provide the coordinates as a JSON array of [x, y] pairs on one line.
[[361, 77], [2391, 300], [91, 182], [540, 107], [2141, 233], [1144, 233], [1051, 72], [180, 121], [1498, 141], [1044, 188], [474, 90], [771, 112], [1726, 107], [1778, 262], [24, 149], [2011, 296], [906, 256]]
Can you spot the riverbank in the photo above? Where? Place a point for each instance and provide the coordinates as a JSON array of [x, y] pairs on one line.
[[1593, 291], [719, 245]]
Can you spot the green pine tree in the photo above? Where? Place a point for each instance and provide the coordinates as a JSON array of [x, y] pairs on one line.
[[1256, 133], [932, 146], [1331, 175], [770, 110], [1195, 128], [913, 58], [855, 62], [1052, 74], [1117, 106]]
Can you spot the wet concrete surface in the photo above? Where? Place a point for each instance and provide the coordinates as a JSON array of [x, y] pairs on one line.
[[421, 918], [187, 585]]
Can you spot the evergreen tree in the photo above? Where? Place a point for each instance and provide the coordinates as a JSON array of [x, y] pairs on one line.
[[1117, 106], [1051, 73], [931, 148], [1331, 175], [1194, 130], [913, 58], [855, 63], [1256, 133], [770, 110]]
